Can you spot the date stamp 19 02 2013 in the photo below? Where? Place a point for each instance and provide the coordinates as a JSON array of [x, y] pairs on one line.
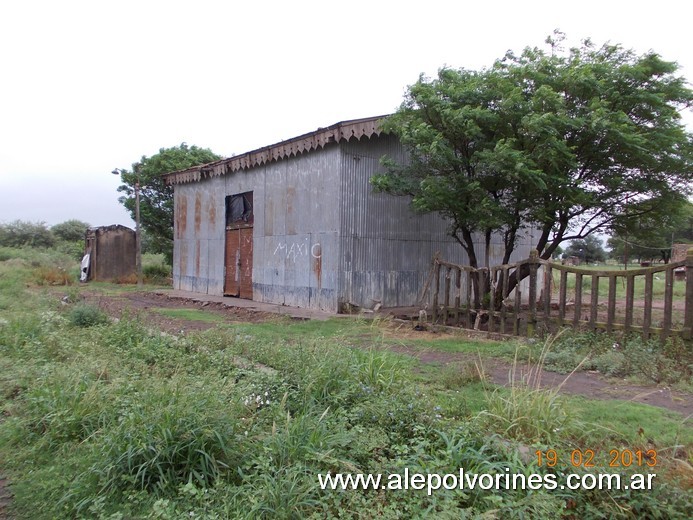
[[589, 458]]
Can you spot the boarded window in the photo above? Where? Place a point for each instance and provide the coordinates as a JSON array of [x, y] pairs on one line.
[[239, 209]]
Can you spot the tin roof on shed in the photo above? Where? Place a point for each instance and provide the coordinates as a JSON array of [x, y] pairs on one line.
[[345, 130]]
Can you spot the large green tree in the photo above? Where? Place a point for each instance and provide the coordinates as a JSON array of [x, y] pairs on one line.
[[588, 250], [558, 139], [156, 198]]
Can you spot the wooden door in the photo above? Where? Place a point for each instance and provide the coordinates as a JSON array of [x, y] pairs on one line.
[[238, 279]]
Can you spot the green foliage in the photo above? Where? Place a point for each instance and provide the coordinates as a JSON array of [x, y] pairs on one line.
[[26, 234], [70, 230], [588, 250], [669, 362], [156, 198], [121, 421], [157, 273], [650, 236], [562, 139], [527, 412], [86, 315]]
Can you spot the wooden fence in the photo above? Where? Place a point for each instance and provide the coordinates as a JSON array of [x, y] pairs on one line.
[[654, 302]]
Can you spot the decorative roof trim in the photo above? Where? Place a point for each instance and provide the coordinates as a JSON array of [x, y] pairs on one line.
[[343, 131]]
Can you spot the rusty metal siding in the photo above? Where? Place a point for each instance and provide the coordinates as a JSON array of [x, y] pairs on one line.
[[198, 229], [112, 250], [297, 256], [386, 247], [296, 222]]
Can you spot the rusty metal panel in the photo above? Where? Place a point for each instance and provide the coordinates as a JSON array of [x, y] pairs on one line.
[[297, 257], [112, 250], [199, 235]]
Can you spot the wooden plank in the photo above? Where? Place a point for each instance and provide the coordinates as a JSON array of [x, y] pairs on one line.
[[491, 301], [516, 310], [467, 310], [647, 311], [668, 301], [594, 300], [532, 300], [562, 292], [611, 304], [688, 311], [436, 292], [458, 293], [506, 275], [548, 278], [232, 261], [482, 293], [630, 298], [578, 300], [446, 301]]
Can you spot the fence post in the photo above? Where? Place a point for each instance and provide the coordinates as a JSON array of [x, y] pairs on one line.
[[532, 301], [436, 274], [688, 316]]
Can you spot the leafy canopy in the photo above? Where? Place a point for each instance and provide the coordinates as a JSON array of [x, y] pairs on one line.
[[156, 198], [652, 238], [588, 250], [70, 231], [563, 140]]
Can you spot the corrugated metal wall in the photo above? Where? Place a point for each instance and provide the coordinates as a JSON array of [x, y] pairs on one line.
[[386, 247], [321, 236], [198, 246], [295, 245]]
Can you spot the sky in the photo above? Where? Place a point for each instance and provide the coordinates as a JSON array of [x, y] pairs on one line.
[[89, 86]]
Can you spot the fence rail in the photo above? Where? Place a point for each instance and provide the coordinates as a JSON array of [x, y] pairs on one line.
[[533, 294]]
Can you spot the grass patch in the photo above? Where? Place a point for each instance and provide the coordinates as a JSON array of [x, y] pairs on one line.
[[191, 315], [119, 421]]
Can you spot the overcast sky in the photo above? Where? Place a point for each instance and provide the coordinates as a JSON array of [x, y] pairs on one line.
[[88, 86]]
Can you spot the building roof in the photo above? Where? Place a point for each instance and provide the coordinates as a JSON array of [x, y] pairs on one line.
[[345, 130]]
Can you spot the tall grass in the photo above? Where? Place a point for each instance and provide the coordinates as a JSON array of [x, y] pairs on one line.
[[119, 421], [526, 411]]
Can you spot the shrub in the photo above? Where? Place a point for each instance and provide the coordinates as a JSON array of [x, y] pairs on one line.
[[45, 275], [20, 233], [85, 315], [156, 273]]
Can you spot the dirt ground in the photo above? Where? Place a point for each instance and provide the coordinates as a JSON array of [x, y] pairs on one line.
[[589, 384]]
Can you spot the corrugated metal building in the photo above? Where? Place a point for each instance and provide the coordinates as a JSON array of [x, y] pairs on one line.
[[297, 223]]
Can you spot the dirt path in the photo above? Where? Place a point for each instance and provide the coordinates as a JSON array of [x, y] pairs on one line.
[[5, 499], [588, 384]]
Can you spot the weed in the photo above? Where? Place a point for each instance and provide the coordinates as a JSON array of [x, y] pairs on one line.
[[526, 411], [457, 375]]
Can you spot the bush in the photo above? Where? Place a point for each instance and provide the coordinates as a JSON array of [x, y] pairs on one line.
[[85, 315], [20, 233], [156, 273]]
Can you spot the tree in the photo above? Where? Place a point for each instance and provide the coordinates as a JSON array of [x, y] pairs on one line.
[[561, 140], [651, 238], [70, 230], [156, 198], [588, 250], [21, 233]]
